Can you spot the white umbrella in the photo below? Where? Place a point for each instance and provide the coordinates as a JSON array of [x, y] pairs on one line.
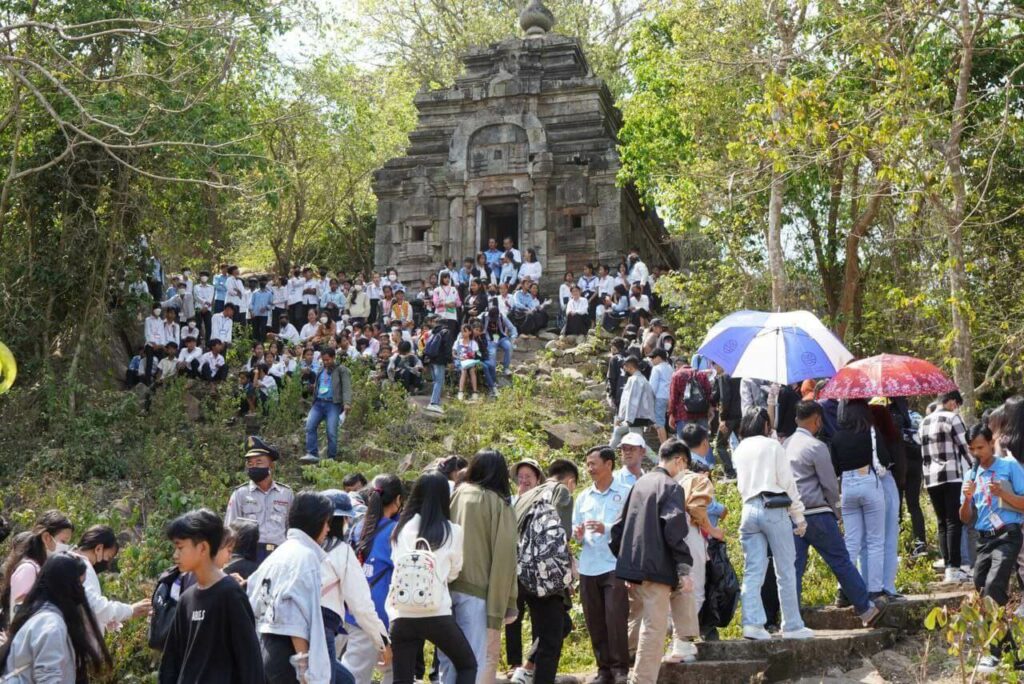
[[778, 347]]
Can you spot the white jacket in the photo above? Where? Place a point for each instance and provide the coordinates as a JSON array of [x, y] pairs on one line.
[[447, 559], [637, 399], [344, 584], [42, 651], [109, 614]]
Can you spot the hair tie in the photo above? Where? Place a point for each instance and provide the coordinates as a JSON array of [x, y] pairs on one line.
[[378, 490]]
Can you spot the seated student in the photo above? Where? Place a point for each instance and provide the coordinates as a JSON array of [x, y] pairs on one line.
[[577, 316], [406, 368], [190, 329], [614, 309], [528, 313], [475, 302], [309, 367], [589, 283], [464, 353], [501, 333], [993, 496], [509, 274], [188, 358], [212, 366], [265, 384], [213, 635], [133, 376], [311, 330], [247, 394], [488, 357], [401, 312], [345, 350], [639, 307], [286, 332], [168, 366]]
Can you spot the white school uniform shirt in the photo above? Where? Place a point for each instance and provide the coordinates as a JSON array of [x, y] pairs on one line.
[[531, 270], [289, 334], [577, 306], [639, 273], [373, 290], [504, 304], [309, 330], [154, 329], [187, 357], [606, 285], [641, 303], [295, 287], [187, 331], [279, 298], [109, 614], [564, 295], [171, 331], [268, 385], [221, 328], [235, 290], [313, 299], [203, 296], [588, 284], [243, 306], [345, 586], [517, 256], [214, 361]]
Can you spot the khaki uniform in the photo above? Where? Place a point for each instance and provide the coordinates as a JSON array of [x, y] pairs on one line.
[[269, 509]]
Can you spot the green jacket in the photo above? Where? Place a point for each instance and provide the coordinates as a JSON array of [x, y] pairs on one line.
[[489, 550], [341, 384]]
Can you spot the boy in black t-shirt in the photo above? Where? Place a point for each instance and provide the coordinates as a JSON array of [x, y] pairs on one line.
[[213, 637]]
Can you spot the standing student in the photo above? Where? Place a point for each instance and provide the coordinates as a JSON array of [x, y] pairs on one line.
[[55, 638], [661, 379], [50, 534], [212, 637], [772, 514], [943, 448], [285, 597], [222, 325], [345, 586], [220, 288], [296, 310], [425, 522], [993, 495], [447, 302], [99, 547], [383, 500], [438, 353], [636, 407], [484, 594], [648, 540], [263, 498], [261, 308], [333, 399], [235, 289], [155, 342], [603, 595], [278, 302]]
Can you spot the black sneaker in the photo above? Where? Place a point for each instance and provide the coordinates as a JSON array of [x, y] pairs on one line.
[[920, 550], [842, 601]]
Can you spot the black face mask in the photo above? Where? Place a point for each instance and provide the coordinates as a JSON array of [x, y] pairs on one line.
[[101, 567], [258, 474]]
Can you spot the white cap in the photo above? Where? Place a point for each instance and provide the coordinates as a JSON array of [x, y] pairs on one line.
[[633, 439]]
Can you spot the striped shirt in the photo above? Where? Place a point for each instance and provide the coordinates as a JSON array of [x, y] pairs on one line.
[[943, 446]]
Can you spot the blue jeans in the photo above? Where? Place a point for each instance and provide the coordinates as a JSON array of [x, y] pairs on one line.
[[863, 505], [320, 411], [505, 345], [339, 674], [491, 373], [824, 536], [471, 616], [760, 529], [892, 533], [437, 372]]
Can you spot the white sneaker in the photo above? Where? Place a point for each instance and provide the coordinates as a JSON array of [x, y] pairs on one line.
[[522, 676], [682, 652], [462, 396], [968, 571], [987, 665], [802, 633], [435, 408], [955, 575], [756, 633]]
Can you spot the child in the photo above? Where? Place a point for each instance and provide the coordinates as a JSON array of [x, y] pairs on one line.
[[213, 636], [133, 376], [247, 394], [168, 366], [465, 353]]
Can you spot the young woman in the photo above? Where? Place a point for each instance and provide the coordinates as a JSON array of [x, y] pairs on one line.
[[465, 352], [577, 316], [772, 514], [98, 548], [614, 309], [50, 534], [861, 456], [476, 302], [55, 637], [344, 585], [383, 500], [426, 519], [447, 302], [482, 271], [564, 295], [483, 596], [531, 268], [528, 314], [387, 302]]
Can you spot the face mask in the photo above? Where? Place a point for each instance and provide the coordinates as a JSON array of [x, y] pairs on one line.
[[258, 474], [186, 273], [101, 567], [668, 346], [60, 547], [204, 278], [392, 277], [323, 320], [181, 292], [156, 312]]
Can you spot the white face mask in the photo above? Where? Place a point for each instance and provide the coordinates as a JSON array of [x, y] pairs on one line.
[[156, 312], [59, 547], [323, 320], [392, 277], [668, 346], [204, 278], [186, 273]]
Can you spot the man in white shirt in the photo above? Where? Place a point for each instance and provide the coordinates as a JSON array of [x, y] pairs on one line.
[[153, 328], [296, 284], [286, 331], [235, 288], [221, 324], [638, 273], [212, 366], [188, 358], [517, 256], [168, 366], [171, 327], [203, 294], [310, 291]]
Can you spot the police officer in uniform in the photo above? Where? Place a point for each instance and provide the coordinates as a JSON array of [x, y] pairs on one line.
[[262, 499]]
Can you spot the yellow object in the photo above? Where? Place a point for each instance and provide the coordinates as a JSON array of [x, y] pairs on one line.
[[8, 368]]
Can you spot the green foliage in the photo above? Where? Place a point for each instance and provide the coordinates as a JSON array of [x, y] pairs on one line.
[[972, 630]]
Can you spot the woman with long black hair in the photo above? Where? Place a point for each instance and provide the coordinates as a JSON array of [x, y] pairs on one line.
[[383, 500], [54, 637], [484, 594], [50, 534], [426, 522]]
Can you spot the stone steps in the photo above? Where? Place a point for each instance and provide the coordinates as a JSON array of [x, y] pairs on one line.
[[714, 672], [904, 616]]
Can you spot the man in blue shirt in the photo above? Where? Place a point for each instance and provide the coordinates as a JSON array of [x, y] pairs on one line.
[[993, 496], [332, 398], [260, 307], [220, 289], [604, 596], [493, 255]]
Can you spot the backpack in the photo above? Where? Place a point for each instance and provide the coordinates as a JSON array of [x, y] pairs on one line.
[[434, 352], [165, 603], [694, 399], [545, 562], [415, 585]]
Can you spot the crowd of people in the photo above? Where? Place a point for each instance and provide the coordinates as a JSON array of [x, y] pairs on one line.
[[350, 584]]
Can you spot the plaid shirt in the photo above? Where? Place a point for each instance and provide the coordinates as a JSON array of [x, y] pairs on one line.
[[943, 445]]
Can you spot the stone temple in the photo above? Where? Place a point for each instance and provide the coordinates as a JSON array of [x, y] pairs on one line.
[[523, 145]]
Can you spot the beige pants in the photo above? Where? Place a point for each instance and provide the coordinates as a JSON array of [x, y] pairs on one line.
[[635, 613], [658, 602]]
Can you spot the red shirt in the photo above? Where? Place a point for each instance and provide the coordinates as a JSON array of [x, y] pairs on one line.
[[677, 388]]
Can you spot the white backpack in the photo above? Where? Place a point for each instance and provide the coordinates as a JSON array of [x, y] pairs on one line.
[[415, 584]]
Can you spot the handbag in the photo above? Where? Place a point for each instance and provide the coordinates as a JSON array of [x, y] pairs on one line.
[[776, 500]]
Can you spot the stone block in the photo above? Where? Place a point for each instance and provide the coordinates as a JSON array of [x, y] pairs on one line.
[[895, 667], [571, 435]]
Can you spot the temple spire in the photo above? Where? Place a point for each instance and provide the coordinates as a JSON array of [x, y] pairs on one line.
[[536, 19]]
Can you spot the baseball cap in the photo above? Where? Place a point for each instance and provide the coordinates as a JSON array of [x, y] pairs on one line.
[[633, 439]]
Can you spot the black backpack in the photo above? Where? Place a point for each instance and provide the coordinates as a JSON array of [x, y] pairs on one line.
[[438, 347], [694, 399], [164, 607], [722, 588]]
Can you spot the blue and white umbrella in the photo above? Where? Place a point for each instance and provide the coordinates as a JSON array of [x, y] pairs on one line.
[[778, 347]]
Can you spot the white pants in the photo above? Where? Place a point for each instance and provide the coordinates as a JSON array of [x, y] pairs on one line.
[[361, 656]]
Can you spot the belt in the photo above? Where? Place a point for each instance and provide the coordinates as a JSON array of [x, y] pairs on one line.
[[992, 534]]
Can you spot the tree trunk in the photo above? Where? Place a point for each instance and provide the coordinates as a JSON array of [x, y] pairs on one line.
[[962, 342], [776, 258], [852, 278]]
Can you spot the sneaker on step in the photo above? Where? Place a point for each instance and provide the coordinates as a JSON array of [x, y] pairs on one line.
[[682, 652], [920, 550], [954, 575], [462, 396], [967, 570], [987, 665], [756, 633], [435, 408], [522, 676], [802, 633], [494, 393], [309, 459], [870, 615]]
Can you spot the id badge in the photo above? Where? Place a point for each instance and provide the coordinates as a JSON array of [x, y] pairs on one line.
[[995, 520], [494, 338]]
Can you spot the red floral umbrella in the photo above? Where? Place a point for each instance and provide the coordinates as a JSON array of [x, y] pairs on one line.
[[887, 375]]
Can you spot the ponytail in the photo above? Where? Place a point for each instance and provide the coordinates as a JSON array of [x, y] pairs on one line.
[[383, 491]]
